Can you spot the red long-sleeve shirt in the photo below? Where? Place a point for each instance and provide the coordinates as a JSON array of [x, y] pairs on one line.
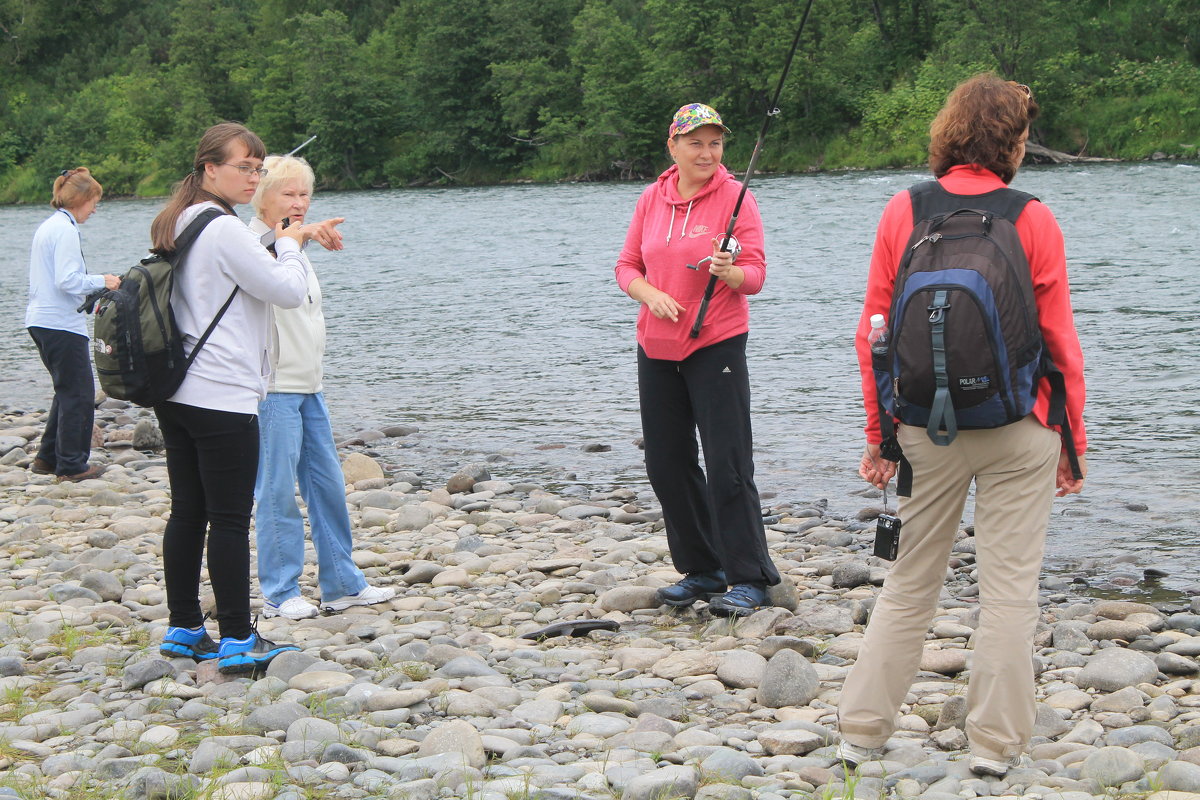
[[1043, 242]]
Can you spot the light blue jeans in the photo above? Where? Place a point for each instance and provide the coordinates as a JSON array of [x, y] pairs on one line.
[[296, 446]]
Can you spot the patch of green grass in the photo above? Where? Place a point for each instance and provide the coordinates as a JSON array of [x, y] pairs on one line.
[[416, 670], [70, 639]]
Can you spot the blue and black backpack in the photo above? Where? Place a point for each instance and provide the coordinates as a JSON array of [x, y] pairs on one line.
[[964, 347]]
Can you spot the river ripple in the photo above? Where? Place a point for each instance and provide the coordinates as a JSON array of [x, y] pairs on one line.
[[489, 316]]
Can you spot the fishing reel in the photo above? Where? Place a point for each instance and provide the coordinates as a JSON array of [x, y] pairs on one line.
[[734, 247]]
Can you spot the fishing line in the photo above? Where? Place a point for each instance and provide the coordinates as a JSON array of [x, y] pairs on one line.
[[772, 111]]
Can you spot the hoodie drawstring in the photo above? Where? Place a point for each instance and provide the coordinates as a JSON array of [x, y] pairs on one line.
[[671, 222]]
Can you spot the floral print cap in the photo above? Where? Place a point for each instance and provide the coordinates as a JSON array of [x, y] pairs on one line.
[[692, 116]]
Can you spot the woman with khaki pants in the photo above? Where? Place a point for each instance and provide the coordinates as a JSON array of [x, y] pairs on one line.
[[977, 144]]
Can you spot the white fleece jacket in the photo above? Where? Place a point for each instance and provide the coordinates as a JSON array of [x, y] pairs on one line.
[[231, 372], [297, 337]]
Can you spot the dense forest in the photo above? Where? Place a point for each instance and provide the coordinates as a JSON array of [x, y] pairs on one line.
[[409, 92]]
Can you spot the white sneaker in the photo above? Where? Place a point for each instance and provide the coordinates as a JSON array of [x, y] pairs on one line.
[[367, 597], [990, 766], [852, 755], [292, 608]]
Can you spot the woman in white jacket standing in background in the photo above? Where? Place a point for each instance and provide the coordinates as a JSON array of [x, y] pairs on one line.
[[296, 439]]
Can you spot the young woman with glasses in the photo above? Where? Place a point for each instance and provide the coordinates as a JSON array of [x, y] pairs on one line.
[[210, 425]]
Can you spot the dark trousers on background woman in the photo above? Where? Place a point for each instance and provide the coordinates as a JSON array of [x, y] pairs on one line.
[[212, 460], [713, 522], [67, 440]]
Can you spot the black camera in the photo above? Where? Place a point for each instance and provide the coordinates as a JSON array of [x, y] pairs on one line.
[[887, 536], [268, 238]]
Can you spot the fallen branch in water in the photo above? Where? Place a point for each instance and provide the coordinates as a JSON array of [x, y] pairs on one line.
[[1040, 152]]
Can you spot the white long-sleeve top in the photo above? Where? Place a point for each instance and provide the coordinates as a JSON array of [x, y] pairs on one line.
[[231, 371], [297, 337], [58, 278]]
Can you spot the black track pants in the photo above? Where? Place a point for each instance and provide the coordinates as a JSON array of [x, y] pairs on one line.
[[714, 521], [67, 440], [212, 460]]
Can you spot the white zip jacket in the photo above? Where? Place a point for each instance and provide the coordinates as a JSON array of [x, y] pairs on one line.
[[231, 372], [297, 346]]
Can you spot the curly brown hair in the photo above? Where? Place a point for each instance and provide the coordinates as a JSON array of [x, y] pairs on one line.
[[983, 122]]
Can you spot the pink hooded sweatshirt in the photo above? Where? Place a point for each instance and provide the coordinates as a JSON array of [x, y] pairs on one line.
[[668, 233]]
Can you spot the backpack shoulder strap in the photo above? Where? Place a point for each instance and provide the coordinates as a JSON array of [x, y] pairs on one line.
[[212, 326], [182, 244], [186, 239], [930, 199]]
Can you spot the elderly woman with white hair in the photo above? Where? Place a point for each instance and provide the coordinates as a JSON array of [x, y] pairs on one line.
[[296, 439]]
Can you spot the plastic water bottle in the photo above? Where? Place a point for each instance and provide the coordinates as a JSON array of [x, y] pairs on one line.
[[877, 337]]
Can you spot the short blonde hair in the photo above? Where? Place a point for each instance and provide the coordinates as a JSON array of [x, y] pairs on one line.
[[74, 187], [281, 169]]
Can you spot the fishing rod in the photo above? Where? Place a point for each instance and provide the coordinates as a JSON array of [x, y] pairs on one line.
[[307, 142], [772, 111]]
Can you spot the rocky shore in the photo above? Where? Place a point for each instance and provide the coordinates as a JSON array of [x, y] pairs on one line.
[[437, 695]]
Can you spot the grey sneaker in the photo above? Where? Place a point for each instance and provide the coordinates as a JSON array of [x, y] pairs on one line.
[[852, 755], [990, 766]]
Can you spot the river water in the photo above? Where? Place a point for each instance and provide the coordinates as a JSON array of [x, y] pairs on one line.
[[489, 317]]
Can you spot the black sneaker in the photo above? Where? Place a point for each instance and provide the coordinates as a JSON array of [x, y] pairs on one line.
[[695, 586], [742, 600], [237, 656], [195, 644]]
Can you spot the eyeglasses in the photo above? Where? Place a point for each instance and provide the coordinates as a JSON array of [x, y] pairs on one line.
[[248, 170], [1028, 92]]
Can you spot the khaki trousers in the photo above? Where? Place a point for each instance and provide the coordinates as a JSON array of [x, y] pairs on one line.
[[1014, 471]]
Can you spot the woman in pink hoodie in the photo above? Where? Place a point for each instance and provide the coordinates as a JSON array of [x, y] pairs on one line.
[[714, 521]]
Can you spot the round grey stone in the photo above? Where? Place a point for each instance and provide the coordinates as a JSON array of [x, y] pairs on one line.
[[851, 574], [1115, 668], [61, 592], [105, 584], [455, 737], [819, 617], [465, 667], [741, 669], [730, 764], [788, 680], [277, 716], [1174, 664], [138, 674], [1183, 622], [1127, 737], [674, 781], [286, 666], [1112, 766], [146, 436], [344, 754], [102, 539], [1180, 776], [312, 729]]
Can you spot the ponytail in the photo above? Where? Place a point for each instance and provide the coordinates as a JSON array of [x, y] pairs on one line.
[[186, 193], [74, 187]]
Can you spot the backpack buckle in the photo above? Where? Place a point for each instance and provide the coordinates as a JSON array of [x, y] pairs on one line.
[[937, 312]]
